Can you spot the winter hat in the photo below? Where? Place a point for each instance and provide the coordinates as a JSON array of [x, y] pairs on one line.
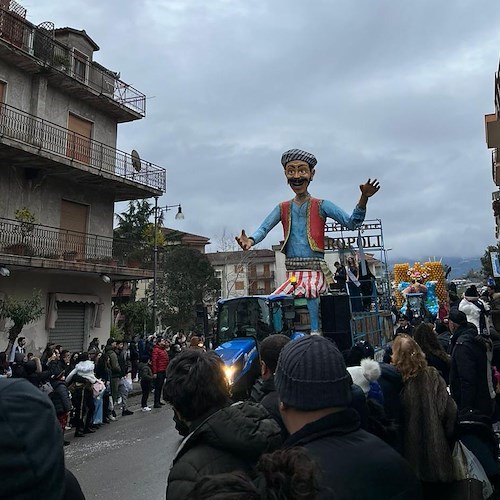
[[369, 371], [457, 317], [441, 327], [31, 443], [471, 291], [311, 375]]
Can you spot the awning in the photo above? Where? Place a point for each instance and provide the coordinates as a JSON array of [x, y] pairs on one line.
[[76, 297], [54, 298]]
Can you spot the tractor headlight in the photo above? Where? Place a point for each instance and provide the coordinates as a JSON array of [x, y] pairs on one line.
[[229, 372]]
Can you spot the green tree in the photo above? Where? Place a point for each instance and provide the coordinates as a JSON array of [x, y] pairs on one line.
[[21, 312], [136, 314], [137, 232], [187, 278]]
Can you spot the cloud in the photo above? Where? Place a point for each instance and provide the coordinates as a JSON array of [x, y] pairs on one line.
[[385, 89]]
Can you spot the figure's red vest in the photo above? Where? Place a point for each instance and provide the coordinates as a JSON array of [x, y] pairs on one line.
[[315, 224]]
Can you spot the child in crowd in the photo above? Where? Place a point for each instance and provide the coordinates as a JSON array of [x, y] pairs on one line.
[[146, 378], [61, 398]]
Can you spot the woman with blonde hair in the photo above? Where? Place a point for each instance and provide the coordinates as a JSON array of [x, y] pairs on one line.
[[429, 418]]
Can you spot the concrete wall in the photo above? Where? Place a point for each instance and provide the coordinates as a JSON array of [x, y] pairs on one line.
[[22, 283], [33, 95], [43, 197], [18, 92], [59, 105]]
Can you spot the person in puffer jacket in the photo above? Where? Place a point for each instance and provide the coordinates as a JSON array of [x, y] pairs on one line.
[[223, 437], [61, 398]]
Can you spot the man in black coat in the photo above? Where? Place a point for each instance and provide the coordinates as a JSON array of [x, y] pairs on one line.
[[223, 437], [314, 388], [471, 383], [471, 386]]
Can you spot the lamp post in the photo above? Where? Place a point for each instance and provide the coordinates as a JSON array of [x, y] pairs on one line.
[[179, 216], [388, 278]]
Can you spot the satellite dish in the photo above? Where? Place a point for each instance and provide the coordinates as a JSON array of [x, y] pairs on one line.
[[136, 160]]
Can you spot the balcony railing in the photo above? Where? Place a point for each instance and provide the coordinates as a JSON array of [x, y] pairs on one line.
[[261, 275], [37, 240], [39, 43], [52, 138]]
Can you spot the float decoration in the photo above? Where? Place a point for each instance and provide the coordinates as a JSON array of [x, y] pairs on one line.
[[431, 277]]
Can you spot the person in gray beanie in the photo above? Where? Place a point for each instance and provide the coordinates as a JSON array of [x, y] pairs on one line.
[[314, 389]]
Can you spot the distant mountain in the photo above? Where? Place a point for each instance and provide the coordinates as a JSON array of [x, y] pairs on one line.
[[460, 266]]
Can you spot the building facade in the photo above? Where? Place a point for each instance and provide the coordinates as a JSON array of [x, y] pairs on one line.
[[60, 176], [492, 129], [245, 273]]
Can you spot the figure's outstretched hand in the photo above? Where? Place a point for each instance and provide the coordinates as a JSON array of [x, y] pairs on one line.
[[369, 188], [244, 241]]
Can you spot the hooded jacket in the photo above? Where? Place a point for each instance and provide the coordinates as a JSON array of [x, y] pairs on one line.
[[473, 312], [232, 438], [83, 369], [60, 397], [352, 462], [471, 382], [114, 365]]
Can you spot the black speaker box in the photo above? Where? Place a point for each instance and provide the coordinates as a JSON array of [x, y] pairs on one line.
[[336, 320]]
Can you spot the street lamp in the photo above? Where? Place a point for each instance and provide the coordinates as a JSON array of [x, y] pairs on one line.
[[179, 216], [388, 276]]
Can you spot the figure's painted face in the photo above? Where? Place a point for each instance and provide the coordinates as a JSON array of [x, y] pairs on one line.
[[299, 175]]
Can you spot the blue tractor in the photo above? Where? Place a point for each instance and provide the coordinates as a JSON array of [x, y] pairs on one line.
[[242, 323]]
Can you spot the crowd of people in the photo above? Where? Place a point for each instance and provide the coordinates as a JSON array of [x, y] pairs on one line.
[[319, 423], [91, 388], [348, 426]]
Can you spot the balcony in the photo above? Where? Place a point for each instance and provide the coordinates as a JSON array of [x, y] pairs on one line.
[[29, 141], [261, 275], [492, 127], [40, 246], [35, 50]]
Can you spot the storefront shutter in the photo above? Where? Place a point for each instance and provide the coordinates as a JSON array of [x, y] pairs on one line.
[[69, 329]]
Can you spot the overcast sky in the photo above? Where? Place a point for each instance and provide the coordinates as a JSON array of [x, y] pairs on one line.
[[387, 89]]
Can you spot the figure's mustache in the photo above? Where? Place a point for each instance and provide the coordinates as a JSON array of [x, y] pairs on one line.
[[297, 182]]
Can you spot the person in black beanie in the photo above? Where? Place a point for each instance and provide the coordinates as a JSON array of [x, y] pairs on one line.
[[314, 389]]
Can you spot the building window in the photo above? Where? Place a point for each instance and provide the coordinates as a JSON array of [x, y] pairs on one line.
[[239, 285], [238, 268], [80, 63]]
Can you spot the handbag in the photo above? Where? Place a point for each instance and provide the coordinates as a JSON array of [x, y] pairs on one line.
[[98, 388], [471, 482]]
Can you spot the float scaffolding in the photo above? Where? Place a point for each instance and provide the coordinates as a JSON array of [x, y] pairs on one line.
[[376, 324]]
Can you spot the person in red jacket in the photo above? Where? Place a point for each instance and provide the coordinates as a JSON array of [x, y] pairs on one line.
[[159, 359]]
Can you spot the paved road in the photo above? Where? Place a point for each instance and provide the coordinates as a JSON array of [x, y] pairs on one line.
[[126, 459]]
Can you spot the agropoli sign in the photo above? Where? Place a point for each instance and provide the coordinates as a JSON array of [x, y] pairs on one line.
[[369, 235]]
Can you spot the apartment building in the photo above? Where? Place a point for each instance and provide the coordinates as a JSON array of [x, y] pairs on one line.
[[244, 273], [492, 129], [60, 176]]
